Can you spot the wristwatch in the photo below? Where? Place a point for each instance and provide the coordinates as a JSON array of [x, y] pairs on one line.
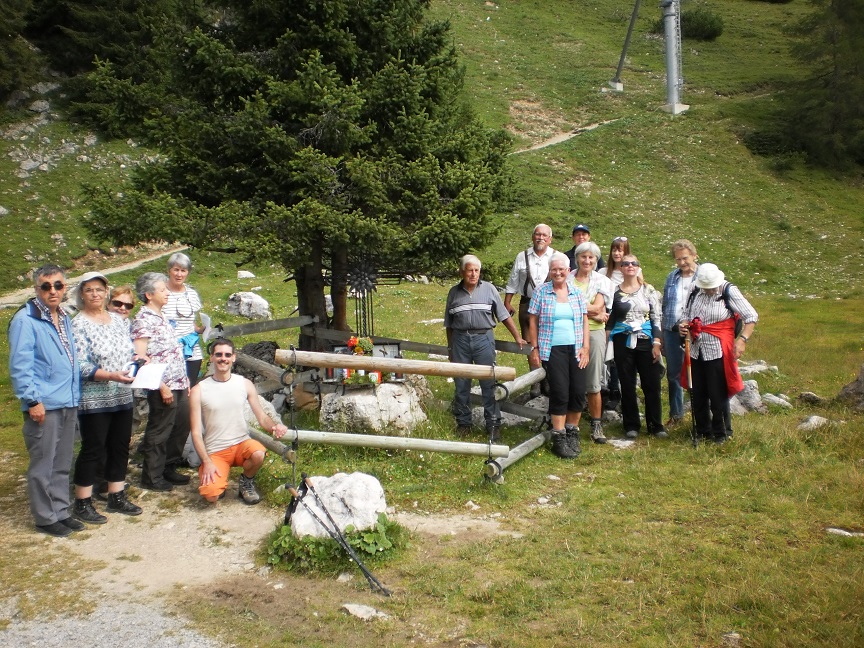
[[32, 404]]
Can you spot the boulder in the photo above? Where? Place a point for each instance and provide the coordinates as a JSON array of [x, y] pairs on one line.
[[39, 106], [778, 400], [809, 398], [373, 409], [755, 367], [355, 499], [813, 423], [248, 304], [853, 393], [747, 400]]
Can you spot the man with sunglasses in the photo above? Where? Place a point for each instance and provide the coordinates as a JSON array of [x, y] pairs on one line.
[[46, 379], [219, 430]]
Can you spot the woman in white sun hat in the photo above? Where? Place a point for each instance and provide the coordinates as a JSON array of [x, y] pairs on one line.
[[713, 310]]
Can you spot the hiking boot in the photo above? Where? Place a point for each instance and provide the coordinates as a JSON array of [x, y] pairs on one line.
[[247, 491], [631, 434], [660, 434], [84, 511], [597, 435], [560, 446], [463, 431], [159, 485], [173, 477], [572, 433], [56, 529], [72, 523], [118, 503]]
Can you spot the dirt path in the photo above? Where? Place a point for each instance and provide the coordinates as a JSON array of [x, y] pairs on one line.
[[18, 297]]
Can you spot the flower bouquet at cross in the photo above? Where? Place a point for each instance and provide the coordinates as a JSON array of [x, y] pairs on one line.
[[360, 346]]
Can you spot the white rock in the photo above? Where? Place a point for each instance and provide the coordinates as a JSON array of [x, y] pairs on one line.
[[248, 304], [813, 423], [756, 367], [748, 399], [245, 274], [39, 106], [389, 405], [771, 399], [844, 532], [355, 499], [471, 505], [553, 478], [345, 577], [44, 87], [621, 443], [3, 211], [365, 612]]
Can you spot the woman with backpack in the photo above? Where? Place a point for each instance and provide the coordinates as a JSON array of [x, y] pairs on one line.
[[710, 319]]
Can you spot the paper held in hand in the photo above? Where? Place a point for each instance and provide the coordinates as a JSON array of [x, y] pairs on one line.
[[149, 376]]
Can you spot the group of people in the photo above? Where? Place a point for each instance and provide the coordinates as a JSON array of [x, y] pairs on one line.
[[591, 324], [75, 374]]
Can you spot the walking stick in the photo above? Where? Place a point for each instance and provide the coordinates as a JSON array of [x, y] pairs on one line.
[[335, 533], [693, 436]]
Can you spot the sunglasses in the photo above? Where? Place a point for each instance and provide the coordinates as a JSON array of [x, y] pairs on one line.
[[222, 355], [624, 264], [620, 238], [57, 285], [116, 303]]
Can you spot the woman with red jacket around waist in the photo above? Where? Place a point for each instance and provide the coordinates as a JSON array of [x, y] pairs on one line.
[[709, 319]]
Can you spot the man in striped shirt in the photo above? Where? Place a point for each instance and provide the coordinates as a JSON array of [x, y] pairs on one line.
[[473, 308]]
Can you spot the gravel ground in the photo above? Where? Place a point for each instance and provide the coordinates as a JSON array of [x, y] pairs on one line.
[[125, 625]]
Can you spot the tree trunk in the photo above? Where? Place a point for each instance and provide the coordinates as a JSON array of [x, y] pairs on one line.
[[310, 295], [339, 290]]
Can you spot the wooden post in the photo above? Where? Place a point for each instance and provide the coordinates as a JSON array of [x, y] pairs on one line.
[[394, 365]]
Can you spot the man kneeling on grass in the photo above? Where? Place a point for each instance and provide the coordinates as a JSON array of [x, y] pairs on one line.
[[219, 429]]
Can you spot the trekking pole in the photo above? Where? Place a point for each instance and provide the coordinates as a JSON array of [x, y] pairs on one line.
[[374, 583], [687, 363], [336, 534]]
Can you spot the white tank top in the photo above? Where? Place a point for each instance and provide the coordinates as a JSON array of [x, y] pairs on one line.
[[222, 412]]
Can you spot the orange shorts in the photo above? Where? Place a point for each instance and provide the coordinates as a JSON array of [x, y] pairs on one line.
[[224, 460]]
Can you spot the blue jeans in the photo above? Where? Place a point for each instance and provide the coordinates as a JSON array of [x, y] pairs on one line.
[[475, 348], [674, 361]]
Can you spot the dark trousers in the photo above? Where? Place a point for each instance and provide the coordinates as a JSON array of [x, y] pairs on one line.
[[105, 440], [566, 381], [710, 397], [165, 434], [475, 348], [629, 363], [193, 368]]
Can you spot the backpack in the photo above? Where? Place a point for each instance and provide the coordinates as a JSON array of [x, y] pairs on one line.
[[739, 323]]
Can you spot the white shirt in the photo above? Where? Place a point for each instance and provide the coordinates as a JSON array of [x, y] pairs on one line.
[[537, 267]]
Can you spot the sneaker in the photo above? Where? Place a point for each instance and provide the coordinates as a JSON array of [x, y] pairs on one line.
[[172, 476], [84, 511], [159, 485], [56, 529], [631, 434], [597, 435], [572, 433], [660, 434], [560, 446], [247, 491], [72, 523], [118, 503]]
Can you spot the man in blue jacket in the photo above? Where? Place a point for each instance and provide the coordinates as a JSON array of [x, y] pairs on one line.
[[46, 379]]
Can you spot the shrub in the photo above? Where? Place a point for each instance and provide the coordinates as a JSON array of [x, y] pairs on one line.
[[698, 23], [325, 555]]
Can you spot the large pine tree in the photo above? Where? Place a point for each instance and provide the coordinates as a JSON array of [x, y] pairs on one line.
[[317, 133]]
